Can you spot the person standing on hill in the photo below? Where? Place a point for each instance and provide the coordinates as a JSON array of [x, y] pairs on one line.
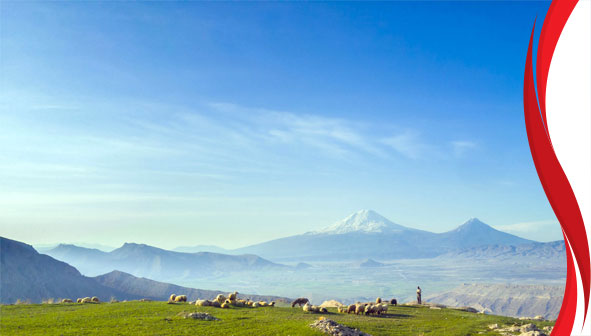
[[419, 295]]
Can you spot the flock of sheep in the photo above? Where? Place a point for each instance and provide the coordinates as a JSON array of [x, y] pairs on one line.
[[87, 299], [222, 301], [368, 308]]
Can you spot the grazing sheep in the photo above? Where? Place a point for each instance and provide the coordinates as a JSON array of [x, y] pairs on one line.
[[323, 310], [369, 309], [180, 298], [351, 308], [299, 301], [393, 302], [307, 307], [225, 305], [360, 308], [94, 299], [216, 304], [203, 303], [66, 301], [263, 303], [86, 300], [171, 298], [220, 298], [256, 304], [384, 308], [233, 296], [379, 300], [79, 300], [272, 304]]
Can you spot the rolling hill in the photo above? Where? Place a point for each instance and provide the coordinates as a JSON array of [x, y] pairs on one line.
[[28, 275], [156, 290]]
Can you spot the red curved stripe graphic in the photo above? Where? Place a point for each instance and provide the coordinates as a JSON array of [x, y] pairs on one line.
[[554, 22], [566, 317], [553, 179]]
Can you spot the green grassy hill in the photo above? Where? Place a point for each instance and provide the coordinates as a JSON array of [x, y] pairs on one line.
[[159, 318]]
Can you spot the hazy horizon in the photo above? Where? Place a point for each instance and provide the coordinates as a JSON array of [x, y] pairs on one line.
[[107, 247], [229, 124]]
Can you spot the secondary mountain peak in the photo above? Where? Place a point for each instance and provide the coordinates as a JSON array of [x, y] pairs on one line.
[[365, 221], [473, 223], [476, 233]]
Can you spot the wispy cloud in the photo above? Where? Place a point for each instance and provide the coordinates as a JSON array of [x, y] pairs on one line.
[[461, 147], [408, 143], [335, 136], [213, 141]]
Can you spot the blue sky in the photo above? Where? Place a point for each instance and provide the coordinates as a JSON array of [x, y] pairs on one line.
[[175, 123]]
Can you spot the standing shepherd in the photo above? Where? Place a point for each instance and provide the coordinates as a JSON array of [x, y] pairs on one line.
[[419, 295]]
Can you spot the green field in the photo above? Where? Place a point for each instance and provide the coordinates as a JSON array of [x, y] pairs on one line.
[[160, 318]]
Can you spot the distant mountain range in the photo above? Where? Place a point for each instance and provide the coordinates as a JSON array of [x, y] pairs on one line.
[[381, 238], [362, 235], [42, 248], [28, 275], [155, 263]]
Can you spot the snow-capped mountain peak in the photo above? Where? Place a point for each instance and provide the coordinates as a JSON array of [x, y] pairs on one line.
[[366, 221]]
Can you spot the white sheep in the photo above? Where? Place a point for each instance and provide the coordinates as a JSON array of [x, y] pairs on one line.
[[220, 298], [203, 303], [307, 307], [360, 308]]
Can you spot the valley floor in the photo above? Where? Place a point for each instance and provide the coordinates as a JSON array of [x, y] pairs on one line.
[[160, 318]]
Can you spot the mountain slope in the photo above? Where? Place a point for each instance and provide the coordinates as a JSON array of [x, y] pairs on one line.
[[476, 233], [155, 290], [155, 263], [505, 299], [26, 274], [348, 246], [551, 250]]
